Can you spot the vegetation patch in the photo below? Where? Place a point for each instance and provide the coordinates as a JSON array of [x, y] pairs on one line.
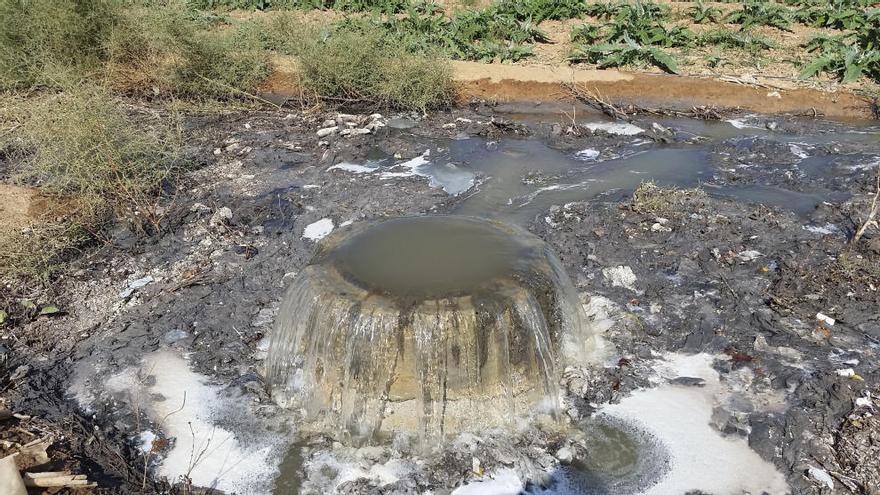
[[80, 149], [651, 199], [366, 66], [148, 48]]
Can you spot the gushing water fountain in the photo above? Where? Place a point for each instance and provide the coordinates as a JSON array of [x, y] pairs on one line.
[[430, 325]]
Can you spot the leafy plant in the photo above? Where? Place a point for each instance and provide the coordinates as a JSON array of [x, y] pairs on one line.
[[761, 13], [848, 56], [724, 38], [701, 13], [622, 54], [838, 55]]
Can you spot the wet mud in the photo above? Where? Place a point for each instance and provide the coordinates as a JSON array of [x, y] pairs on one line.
[[738, 272]]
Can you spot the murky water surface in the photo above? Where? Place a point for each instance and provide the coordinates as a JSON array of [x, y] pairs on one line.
[[519, 179]]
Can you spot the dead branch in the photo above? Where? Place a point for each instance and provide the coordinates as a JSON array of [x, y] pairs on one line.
[[872, 215], [595, 100]]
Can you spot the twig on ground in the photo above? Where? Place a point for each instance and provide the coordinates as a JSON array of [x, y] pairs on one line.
[[872, 215], [242, 92], [595, 100]]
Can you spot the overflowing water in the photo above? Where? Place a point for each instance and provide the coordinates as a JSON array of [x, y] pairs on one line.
[[429, 325]]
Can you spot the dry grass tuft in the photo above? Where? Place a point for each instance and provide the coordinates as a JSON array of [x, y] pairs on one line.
[[651, 199]]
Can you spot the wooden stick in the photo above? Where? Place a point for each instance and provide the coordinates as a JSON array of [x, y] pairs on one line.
[[872, 215]]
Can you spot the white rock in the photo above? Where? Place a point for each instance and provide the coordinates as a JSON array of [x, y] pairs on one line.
[[318, 230], [847, 372], [327, 131], [565, 455], [621, 276], [825, 319], [587, 154], [749, 255], [328, 123], [821, 476], [450, 125], [355, 132]]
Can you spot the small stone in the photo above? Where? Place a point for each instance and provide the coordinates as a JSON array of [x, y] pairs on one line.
[[328, 123], [327, 131], [220, 217], [749, 255], [450, 125], [355, 132], [565, 455]]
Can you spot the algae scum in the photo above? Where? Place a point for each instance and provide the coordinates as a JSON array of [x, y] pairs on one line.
[[472, 304]]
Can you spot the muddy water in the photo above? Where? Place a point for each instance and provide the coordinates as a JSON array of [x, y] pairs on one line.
[[519, 179]]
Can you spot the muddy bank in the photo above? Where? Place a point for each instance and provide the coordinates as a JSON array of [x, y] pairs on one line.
[[179, 321], [545, 83]]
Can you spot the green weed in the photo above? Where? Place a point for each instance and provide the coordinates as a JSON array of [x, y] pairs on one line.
[[622, 54], [761, 13], [701, 13], [848, 56]]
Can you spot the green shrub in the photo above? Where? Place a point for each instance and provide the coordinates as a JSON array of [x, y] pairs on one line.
[[368, 66], [45, 42], [79, 144], [136, 47], [90, 161]]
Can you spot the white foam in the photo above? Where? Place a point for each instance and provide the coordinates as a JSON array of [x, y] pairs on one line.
[[828, 228], [352, 167], [505, 481], [798, 151], [318, 230], [865, 166], [701, 458], [587, 154], [451, 178], [326, 471], [211, 456], [743, 123], [619, 128]]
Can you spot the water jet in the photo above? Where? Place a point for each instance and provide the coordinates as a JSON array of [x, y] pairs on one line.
[[428, 325]]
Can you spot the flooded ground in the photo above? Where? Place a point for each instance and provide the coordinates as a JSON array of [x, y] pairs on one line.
[[716, 359]]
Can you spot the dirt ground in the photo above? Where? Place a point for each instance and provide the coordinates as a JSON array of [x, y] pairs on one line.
[[712, 274]]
